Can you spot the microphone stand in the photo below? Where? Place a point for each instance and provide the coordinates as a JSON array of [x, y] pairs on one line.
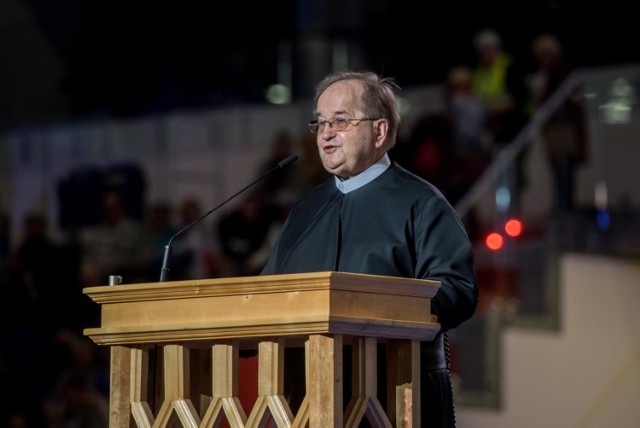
[[166, 259]]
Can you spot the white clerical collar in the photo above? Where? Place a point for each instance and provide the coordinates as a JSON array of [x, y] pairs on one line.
[[364, 177]]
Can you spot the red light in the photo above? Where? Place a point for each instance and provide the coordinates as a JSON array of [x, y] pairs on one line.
[[494, 241], [513, 227]]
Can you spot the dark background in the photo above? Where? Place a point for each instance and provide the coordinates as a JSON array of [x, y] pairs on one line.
[[131, 58]]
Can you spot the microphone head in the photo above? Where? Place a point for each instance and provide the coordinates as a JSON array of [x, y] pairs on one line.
[[286, 161]]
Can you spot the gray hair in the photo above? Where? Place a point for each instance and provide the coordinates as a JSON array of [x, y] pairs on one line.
[[378, 98]]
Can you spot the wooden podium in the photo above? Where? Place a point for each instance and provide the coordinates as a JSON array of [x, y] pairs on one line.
[[175, 348]]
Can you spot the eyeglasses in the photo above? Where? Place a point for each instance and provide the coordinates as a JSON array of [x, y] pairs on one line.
[[338, 124]]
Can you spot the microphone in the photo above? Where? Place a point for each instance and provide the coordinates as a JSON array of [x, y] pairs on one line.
[[166, 259]]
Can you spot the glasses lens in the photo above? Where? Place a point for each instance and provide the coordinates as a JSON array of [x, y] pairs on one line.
[[339, 124]]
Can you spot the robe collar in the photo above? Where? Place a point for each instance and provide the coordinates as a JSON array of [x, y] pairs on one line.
[[368, 175]]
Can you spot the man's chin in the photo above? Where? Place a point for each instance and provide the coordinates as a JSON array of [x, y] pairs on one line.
[[334, 168]]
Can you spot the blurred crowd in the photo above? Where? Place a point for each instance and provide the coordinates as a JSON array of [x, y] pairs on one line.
[[486, 105], [56, 377]]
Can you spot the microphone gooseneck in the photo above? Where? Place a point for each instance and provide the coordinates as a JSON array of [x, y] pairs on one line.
[[166, 259]]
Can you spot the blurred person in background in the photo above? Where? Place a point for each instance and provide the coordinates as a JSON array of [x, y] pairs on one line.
[[109, 246], [470, 140], [243, 230], [499, 81], [157, 230], [196, 245], [564, 133]]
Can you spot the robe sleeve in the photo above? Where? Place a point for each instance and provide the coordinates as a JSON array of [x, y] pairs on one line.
[[444, 253]]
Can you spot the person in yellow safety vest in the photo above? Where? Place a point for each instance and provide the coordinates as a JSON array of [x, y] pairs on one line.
[[501, 85]]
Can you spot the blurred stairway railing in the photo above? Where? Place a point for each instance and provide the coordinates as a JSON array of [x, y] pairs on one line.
[[518, 285], [507, 156]]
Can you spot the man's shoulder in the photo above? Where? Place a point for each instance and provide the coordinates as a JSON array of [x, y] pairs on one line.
[[412, 185], [318, 193], [398, 172]]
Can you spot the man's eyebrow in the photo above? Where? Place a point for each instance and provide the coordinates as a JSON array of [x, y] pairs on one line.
[[335, 113]]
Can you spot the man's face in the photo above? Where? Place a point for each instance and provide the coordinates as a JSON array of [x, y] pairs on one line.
[[346, 153]]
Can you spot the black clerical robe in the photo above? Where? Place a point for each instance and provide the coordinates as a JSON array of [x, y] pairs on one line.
[[396, 225]]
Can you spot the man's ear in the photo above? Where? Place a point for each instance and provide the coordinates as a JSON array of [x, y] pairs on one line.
[[381, 128]]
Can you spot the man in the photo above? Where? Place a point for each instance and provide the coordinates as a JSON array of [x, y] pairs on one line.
[[499, 82], [374, 217]]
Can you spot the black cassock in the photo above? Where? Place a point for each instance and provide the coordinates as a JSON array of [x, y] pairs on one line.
[[396, 225]]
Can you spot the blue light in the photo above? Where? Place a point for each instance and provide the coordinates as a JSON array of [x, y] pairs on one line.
[[603, 219], [503, 199]]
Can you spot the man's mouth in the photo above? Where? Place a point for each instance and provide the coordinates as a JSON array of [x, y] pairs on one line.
[[329, 148]]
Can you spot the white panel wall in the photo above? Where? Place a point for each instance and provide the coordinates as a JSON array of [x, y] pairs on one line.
[[588, 373]]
